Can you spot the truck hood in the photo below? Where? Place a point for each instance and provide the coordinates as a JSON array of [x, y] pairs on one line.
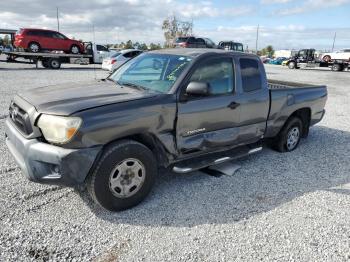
[[66, 99]]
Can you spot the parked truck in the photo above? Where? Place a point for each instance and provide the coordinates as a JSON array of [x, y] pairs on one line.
[[306, 58], [181, 109], [93, 54]]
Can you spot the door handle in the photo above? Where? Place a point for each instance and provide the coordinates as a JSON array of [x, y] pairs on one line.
[[233, 105]]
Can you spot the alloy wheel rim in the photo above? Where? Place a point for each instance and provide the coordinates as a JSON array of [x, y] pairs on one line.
[[127, 178], [34, 47], [293, 137], [75, 50]]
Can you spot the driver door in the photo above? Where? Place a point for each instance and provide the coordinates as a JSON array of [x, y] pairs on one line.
[[206, 123]]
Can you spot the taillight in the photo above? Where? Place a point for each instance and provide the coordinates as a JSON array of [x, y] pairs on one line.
[[113, 61], [184, 44]]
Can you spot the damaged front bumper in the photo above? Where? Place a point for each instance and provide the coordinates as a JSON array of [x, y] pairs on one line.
[[49, 164]]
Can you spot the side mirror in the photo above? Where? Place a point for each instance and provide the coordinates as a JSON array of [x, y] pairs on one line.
[[198, 89]]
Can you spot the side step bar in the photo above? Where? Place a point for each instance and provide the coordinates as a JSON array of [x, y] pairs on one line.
[[191, 165]]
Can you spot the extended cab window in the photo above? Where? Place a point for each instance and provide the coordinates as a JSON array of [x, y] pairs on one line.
[[251, 78], [218, 73]]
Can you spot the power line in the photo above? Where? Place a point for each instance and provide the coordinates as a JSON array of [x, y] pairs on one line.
[[335, 36], [58, 20]]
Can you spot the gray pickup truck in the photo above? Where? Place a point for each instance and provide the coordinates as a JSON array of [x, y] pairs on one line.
[[182, 109]]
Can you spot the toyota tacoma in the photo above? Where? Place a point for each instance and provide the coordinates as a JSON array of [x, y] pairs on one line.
[[180, 109]]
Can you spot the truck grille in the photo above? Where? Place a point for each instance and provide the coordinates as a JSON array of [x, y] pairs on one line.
[[20, 118]]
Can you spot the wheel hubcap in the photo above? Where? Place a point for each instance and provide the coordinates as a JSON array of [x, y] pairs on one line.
[[293, 138], [34, 47], [127, 178], [75, 50]]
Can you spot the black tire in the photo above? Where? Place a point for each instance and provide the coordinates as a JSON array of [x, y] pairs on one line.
[[74, 49], [34, 47], [291, 65], [99, 180], [337, 67], [280, 142], [54, 63]]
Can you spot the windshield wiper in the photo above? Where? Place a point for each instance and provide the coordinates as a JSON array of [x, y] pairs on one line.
[[109, 79], [139, 87]]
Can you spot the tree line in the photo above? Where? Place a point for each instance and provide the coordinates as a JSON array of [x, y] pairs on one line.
[[135, 45]]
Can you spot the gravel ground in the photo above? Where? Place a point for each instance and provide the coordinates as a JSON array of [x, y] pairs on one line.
[[283, 207]]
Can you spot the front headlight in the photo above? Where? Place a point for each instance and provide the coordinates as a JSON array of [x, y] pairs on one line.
[[58, 129]]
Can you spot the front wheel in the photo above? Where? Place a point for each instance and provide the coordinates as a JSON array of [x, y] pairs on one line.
[[123, 177], [75, 49], [291, 65], [289, 137]]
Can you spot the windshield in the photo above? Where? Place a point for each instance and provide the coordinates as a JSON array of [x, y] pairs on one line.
[[154, 72]]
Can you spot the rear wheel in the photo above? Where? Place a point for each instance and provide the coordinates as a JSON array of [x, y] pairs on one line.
[[337, 67], [289, 137], [123, 177], [54, 63], [34, 47]]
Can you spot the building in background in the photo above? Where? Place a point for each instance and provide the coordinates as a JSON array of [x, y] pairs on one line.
[[285, 53]]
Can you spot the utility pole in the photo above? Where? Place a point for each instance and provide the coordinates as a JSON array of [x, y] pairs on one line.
[[257, 38], [58, 20], [335, 36]]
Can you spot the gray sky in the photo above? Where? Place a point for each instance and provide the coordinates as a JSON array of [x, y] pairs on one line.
[[283, 23]]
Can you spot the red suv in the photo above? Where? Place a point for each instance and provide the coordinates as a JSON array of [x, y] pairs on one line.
[[35, 40]]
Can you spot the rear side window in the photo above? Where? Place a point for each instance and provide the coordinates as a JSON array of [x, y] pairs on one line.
[[251, 78], [46, 34], [33, 33], [200, 41], [181, 39], [191, 40], [129, 54]]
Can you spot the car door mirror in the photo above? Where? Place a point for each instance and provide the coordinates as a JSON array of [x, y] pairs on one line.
[[197, 89]]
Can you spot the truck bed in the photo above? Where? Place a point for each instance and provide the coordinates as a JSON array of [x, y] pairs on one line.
[[277, 84], [288, 97]]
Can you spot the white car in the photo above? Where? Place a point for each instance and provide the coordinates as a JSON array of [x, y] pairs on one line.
[[117, 59], [343, 54]]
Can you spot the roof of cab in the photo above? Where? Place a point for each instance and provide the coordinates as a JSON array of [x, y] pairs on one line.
[[194, 52]]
